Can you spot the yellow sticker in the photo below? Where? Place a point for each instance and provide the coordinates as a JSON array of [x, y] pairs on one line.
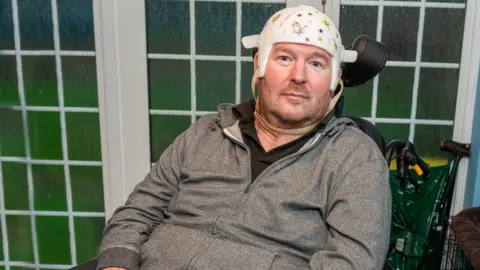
[[276, 17], [327, 24]]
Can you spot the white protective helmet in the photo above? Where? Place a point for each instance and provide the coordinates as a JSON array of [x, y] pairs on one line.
[[302, 25]]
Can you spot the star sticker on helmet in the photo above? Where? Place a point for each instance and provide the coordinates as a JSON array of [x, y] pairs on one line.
[[320, 39], [299, 15], [327, 24], [276, 17], [321, 31], [310, 14]]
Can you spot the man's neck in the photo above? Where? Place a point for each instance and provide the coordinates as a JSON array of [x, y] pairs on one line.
[[269, 142]]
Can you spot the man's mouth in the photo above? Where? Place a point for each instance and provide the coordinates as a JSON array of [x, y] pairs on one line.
[[295, 95]]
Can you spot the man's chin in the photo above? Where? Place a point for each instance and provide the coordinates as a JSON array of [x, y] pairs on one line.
[[291, 120]]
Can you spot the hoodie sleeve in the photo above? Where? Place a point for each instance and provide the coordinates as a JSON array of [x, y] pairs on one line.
[[359, 217], [131, 224]]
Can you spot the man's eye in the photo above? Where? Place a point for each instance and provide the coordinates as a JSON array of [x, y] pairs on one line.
[[284, 58], [317, 64]]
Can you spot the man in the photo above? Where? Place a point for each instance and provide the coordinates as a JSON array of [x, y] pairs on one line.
[[274, 183]]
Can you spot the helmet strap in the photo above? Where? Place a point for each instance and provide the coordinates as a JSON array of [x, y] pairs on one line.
[[274, 131]]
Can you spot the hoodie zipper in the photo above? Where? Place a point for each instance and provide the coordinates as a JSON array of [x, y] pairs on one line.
[[249, 161], [250, 184], [250, 180]]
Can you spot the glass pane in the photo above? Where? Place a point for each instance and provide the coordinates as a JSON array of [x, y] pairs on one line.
[[87, 180], [395, 92], [215, 24], [400, 32], [358, 100], [437, 93], [427, 141], [169, 84], [49, 188], [40, 80], [392, 132], [11, 129], [15, 185], [254, 16], [215, 84], [443, 35], [83, 136], [163, 130], [8, 81], [75, 22], [79, 81], [36, 26], [88, 233], [246, 81], [19, 238], [6, 26], [357, 20], [168, 26], [53, 240], [45, 143]]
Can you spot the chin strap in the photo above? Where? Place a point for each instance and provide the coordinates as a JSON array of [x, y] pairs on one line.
[[272, 130]]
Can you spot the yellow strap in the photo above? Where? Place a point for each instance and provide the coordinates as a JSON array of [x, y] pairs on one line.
[[417, 169]]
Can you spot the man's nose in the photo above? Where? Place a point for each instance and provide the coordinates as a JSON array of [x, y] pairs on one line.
[[298, 75]]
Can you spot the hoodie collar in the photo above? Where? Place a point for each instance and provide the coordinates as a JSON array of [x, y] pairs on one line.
[[230, 114]]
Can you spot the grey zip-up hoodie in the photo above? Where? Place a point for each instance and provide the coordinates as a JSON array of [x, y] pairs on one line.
[[328, 206]]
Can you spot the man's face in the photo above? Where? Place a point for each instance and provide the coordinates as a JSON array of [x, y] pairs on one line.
[[295, 89]]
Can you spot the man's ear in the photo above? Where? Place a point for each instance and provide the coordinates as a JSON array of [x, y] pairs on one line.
[[255, 67], [332, 93]]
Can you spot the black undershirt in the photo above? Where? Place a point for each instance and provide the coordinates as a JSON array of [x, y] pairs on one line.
[[260, 159]]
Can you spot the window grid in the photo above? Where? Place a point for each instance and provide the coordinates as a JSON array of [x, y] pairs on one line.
[[21, 90], [28, 161], [238, 52], [47, 53], [50, 162], [63, 128], [193, 86], [417, 64], [3, 219], [416, 76], [401, 4], [34, 266], [51, 109], [376, 79]]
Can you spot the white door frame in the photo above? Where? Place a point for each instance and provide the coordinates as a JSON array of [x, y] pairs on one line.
[[466, 96], [120, 41]]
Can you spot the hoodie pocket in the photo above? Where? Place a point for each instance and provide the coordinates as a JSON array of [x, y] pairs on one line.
[[233, 255]]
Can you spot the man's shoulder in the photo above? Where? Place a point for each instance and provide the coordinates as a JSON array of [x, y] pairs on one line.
[[358, 144]]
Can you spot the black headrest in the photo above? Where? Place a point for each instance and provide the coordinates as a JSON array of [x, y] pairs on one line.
[[371, 59]]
